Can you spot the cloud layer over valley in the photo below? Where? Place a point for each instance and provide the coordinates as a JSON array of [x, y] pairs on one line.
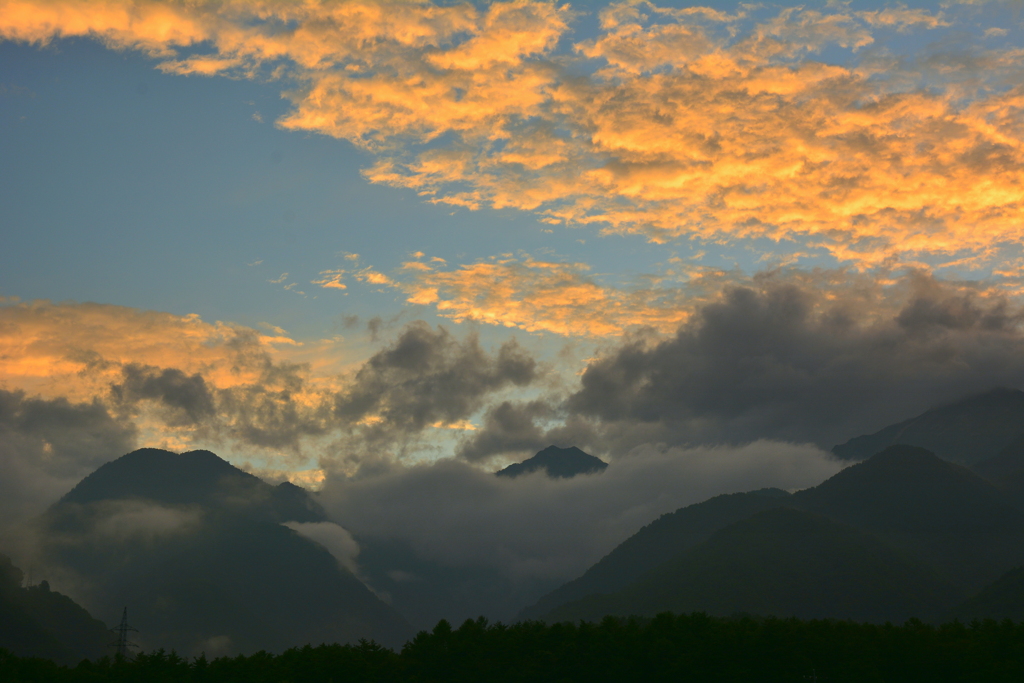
[[534, 528]]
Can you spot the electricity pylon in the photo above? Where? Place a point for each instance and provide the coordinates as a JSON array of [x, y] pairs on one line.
[[122, 643]]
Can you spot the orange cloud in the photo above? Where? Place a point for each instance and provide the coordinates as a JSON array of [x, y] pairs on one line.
[[331, 279], [70, 349], [696, 123], [181, 382], [540, 296], [565, 299], [179, 378]]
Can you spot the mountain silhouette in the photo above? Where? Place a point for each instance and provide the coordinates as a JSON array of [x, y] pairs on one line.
[[781, 562], [942, 513], [663, 539], [198, 551], [967, 431], [560, 463], [38, 622], [944, 524]]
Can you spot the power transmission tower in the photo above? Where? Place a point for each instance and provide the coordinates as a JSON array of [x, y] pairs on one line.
[[122, 643]]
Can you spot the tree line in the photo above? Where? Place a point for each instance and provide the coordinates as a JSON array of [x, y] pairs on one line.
[[691, 647]]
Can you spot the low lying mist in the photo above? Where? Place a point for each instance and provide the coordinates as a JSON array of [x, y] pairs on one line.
[[535, 527]]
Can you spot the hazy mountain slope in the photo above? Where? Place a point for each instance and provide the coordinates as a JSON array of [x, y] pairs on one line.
[[38, 622], [661, 540], [967, 431], [941, 512], [781, 562], [426, 591], [558, 462], [1002, 599], [196, 549], [1005, 471]]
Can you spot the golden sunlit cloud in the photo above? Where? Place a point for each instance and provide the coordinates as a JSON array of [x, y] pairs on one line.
[[184, 383], [179, 378], [331, 279], [75, 350], [689, 123], [567, 299], [539, 296]]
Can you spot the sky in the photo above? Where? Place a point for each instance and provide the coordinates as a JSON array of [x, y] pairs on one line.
[[366, 243]]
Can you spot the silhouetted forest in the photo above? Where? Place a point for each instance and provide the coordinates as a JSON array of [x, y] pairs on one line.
[[692, 647]]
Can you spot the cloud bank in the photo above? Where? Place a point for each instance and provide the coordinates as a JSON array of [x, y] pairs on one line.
[[792, 355], [338, 542]]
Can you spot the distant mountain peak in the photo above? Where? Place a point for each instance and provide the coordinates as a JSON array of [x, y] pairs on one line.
[[559, 463]]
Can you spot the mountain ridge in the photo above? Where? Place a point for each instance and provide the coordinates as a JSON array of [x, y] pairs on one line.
[[659, 541], [965, 431]]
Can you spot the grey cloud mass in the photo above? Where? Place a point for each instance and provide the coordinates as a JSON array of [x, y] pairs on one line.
[[786, 360], [428, 376], [187, 398], [509, 427]]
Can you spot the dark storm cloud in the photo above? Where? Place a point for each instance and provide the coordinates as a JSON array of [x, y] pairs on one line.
[[427, 376], [47, 446], [786, 360]]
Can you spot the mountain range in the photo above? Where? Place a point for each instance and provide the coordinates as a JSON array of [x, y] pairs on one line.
[[944, 491], [902, 534], [212, 559]]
